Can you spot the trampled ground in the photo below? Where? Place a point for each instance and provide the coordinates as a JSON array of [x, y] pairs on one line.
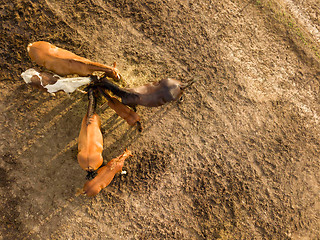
[[237, 159]]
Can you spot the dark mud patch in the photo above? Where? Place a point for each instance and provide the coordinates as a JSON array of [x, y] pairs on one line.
[[12, 227], [144, 170]]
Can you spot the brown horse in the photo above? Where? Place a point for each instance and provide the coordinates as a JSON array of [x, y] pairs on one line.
[[149, 95], [63, 62], [105, 175], [90, 141]]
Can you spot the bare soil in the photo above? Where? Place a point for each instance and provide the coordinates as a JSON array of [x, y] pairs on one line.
[[237, 159]]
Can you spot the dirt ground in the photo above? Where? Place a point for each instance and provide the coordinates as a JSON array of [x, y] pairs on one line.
[[237, 159]]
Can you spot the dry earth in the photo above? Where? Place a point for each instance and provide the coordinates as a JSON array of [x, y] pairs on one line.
[[237, 159]]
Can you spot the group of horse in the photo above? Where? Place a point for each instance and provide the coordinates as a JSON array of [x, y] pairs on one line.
[[61, 63]]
